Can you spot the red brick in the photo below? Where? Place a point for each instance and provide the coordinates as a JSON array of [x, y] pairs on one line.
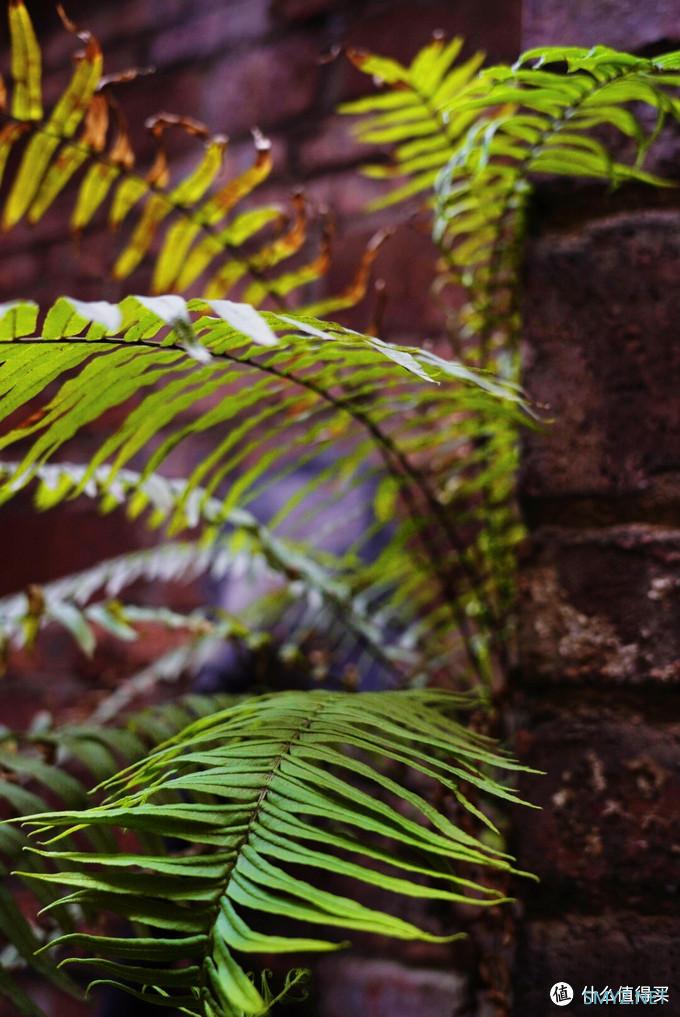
[[301, 10], [385, 989], [601, 605], [601, 309], [616, 949], [332, 144], [209, 33], [346, 193], [261, 87], [405, 262], [608, 830]]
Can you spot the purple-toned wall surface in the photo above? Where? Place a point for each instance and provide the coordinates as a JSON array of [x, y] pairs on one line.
[[597, 692]]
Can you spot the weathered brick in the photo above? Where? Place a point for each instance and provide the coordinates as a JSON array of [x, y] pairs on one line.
[[332, 144], [385, 989], [345, 193], [209, 33], [617, 949], [400, 29], [601, 605], [108, 23], [608, 829], [623, 24], [263, 86], [405, 262], [302, 10], [601, 310], [176, 91]]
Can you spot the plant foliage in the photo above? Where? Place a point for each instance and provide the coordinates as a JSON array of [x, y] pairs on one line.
[[195, 231], [478, 137], [256, 793], [232, 836], [51, 766], [206, 365], [280, 391]]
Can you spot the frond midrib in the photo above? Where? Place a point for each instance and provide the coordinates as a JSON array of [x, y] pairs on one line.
[[396, 462], [304, 727]]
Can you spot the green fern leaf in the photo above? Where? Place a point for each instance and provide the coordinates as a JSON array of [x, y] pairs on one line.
[[191, 230], [30, 782], [244, 790], [275, 408], [479, 137], [414, 115]]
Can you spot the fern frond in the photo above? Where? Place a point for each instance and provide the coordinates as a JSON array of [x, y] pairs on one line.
[[38, 769], [244, 790], [479, 137], [414, 113], [533, 119], [194, 230], [307, 591], [283, 394]]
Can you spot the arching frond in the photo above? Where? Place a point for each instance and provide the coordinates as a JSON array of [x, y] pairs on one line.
[[278, 395], [196, 231], [479, 138], [535, 119], [253, 792]]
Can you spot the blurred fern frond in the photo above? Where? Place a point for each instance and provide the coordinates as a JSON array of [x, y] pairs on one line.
[[557, 110], [326, 593], [277, 394], [415, 112], [50, 767], [254, 792], [196, 231]]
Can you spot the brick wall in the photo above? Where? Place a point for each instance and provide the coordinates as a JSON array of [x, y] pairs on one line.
[[597, 704]]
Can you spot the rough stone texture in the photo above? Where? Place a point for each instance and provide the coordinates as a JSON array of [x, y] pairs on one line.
[[603, 358], [620, 948], [595, 705], [623, 24], [609, 829], [602, 605]]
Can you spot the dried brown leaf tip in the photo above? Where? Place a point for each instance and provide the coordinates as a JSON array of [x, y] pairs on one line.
[[195, 232]]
